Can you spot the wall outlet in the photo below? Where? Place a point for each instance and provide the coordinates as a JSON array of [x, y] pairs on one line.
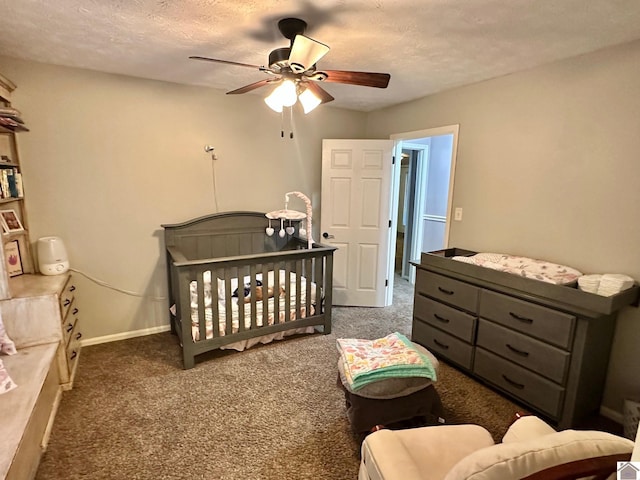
[[457, 215]]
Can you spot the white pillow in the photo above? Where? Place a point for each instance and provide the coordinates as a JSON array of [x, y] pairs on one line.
[[520, 459]]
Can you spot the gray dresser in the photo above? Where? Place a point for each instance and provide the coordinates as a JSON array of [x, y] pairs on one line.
[[545, 345]]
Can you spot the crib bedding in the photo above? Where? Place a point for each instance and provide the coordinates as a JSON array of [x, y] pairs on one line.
[[525, 267], [286, 288]]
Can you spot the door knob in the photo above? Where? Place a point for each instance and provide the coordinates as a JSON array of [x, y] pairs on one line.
[[327, 236]]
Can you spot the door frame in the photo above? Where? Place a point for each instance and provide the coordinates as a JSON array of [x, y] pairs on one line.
[[398, 139]]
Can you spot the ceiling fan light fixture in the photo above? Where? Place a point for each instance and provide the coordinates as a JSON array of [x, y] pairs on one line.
[[273, 102], [286, 93], [309, 100]]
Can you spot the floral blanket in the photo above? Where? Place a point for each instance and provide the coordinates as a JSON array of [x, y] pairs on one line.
[[368, 361]]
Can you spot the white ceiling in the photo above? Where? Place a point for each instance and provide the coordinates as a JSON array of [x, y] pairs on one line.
[[426, 45]]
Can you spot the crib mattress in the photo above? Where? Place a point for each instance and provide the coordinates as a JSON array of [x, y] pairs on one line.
[[288, 287]]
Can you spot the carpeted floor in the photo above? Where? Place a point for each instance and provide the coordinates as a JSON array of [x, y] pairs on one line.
[[271, 412]]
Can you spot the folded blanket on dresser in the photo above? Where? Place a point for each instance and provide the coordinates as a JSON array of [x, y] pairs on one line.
[[368, 361]]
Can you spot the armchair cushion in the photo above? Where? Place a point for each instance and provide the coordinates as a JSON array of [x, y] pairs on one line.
[[420, 453], [517, 459]]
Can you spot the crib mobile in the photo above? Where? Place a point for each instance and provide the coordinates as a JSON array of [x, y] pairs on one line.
[[287, 215]]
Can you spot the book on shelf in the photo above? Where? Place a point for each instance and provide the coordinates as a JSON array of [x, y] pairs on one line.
[[11, 183]]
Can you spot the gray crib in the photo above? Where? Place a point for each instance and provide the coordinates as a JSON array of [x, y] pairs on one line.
[[208, 258]]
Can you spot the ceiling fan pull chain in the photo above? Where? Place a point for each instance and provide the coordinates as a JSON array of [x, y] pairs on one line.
[[282, 123], [290, 122]]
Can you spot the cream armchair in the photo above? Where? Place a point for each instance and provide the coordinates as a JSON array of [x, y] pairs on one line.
[[530, 450]]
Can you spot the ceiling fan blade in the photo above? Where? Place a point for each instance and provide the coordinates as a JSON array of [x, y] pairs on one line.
[[305, 52], [251, 86], [366, 79], [319, 92], [215, 60]]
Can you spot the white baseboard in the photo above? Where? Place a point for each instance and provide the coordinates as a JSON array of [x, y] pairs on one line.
[[612, 414], [125, 335]]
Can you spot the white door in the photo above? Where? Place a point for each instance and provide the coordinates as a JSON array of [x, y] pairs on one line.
[[355, 217]]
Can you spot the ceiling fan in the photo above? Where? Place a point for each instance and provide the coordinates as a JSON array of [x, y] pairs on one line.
[[294, 70]]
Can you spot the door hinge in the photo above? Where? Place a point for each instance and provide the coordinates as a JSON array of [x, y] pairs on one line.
[[386, 282], [389, 223], [393, 160]]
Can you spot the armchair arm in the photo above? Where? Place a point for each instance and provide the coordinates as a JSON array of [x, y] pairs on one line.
[[527, 428], [391, 460]]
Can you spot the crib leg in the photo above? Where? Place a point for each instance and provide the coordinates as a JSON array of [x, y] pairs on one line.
[[188, 361], [327, 326]]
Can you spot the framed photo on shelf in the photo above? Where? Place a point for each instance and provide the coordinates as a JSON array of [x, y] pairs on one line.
[[10, 221], [12, 258]]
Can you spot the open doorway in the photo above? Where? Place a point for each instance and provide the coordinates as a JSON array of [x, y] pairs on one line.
[[422, 195]]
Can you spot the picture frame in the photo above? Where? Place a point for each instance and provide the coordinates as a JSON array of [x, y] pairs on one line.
[[10, 221], [12, 258]]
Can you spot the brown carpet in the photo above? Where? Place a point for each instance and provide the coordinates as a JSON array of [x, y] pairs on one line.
[[271, 412]]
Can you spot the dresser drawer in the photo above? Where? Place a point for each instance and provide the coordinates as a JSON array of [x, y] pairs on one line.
[[73, 349], [540, 357], [539, 392], [448, 290], [451, 320], [443, 344], [534, 320], [67, 295], [69, 323]]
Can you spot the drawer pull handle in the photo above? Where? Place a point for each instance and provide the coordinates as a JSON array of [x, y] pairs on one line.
[[74, 354], [519, 386], [67, 302], [69, 327], [445, 291], [522, 353], [72, 288], [441, 319], [79, 336], [441, 345], [522, 319], [75, 311]]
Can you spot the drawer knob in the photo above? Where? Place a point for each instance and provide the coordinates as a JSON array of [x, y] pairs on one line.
[[66, 302], [78, 336], [513, 383], [74, 354], [517, 351], [522, 319], [69, 327], [445, 291], [440, 344], [72, 288], [441, 319], [75, 311]]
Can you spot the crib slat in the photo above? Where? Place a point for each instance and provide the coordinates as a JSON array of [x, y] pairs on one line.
[[202, 319], [265, 298], [276, 295], [254, 304], [318, 269], [287, 290], [228, 303], [298, 288], [241, 300], [215, 302], [308, 272]]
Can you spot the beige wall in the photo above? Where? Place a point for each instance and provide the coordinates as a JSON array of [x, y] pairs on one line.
[[548, 166], [110, 158]]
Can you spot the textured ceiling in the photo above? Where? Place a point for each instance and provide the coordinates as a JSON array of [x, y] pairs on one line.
[[426, 45]]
